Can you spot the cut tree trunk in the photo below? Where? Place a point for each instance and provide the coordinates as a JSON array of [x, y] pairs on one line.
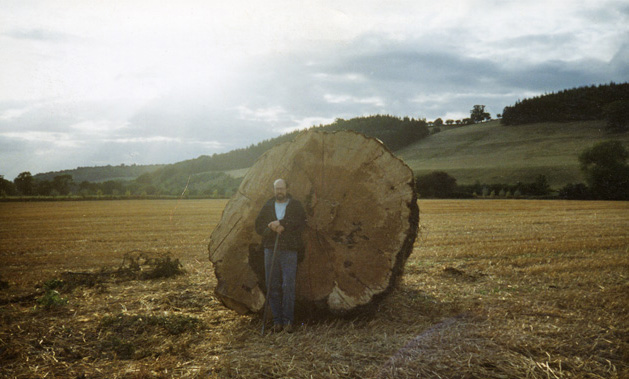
[[362, 222]]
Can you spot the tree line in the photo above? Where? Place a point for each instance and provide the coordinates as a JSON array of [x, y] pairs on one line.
[[609, 102], [204, 185], [604, 166], [394, 132], [477, 114], [101, 173], [202, 176]]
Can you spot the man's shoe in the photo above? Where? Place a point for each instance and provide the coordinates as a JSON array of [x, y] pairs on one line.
[[276, 328], [288, 328]]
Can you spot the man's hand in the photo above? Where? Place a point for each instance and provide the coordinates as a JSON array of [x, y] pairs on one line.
[[276, 226]]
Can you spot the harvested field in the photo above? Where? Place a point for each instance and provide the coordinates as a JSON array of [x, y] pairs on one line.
[[493, 289]]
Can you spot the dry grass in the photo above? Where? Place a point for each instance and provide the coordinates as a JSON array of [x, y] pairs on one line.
[[494, 289]]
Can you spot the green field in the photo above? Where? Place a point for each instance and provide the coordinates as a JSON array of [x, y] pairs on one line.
[[493, 153]]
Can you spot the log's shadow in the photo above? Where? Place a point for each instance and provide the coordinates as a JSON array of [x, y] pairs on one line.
[[256, 262]]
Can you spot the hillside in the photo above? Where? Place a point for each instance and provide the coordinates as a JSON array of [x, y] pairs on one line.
[[576, 104], [394, 132], [102, 173], [217, 175], [493, 153], [205, 175], [488, 153]]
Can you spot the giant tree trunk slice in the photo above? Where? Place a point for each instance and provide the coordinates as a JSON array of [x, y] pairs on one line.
[[362, 223]]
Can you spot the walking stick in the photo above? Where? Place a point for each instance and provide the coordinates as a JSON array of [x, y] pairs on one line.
[[268, 284]]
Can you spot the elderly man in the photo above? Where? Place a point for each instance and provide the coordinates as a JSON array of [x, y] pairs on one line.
[[284, 217]]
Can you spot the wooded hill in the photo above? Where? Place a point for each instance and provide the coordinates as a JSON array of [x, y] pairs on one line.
[[394, 132], [577, 104], [543, 135], [99, 174], [205, 175]]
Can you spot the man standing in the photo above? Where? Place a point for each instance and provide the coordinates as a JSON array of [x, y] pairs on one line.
[[285, 217]]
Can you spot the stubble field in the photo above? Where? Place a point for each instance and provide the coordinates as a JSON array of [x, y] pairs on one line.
[[493, 289]]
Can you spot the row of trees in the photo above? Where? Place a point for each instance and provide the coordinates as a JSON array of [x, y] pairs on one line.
[[440, 184], [603, 165], [609, 102], [101, 173], [207, 185], [477, 114], [394, 132]]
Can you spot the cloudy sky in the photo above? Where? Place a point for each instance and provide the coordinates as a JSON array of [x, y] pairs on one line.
[[85, 83]]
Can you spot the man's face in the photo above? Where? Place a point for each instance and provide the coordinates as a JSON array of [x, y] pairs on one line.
[[280, 191]]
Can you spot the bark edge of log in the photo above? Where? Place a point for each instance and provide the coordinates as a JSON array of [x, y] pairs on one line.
[[240, 282]]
